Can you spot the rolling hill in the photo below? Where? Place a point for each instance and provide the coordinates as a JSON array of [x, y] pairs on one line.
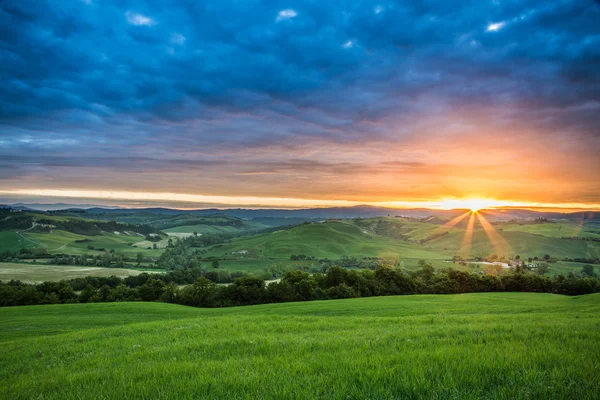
[[472, 346], [74, 232], [259, 244], [408, 239], [330, 239]]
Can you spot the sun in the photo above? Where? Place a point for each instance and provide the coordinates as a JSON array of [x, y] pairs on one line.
[[473, 204]]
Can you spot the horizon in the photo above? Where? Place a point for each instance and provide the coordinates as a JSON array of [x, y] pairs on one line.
[[48, 205]]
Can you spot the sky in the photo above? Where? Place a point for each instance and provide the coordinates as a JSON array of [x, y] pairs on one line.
[[300, 103]]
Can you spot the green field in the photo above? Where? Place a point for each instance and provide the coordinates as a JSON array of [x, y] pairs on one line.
[[12, 241], [557, 229], [511, 243], [41, 273], [471, 346], [207, 229], [331, 239], [399, 239], [62, 242], [402, 240]]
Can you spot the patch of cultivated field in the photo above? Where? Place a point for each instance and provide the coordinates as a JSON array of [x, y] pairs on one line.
[[149, 245], [180, 235], [41, 273], [61, 242], [471, 346], [202, 229]]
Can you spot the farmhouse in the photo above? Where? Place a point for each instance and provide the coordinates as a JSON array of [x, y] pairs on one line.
[[516, 263]]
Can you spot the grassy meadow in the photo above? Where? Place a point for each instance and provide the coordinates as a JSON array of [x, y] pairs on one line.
[[470, 346], [402, 240], [62, 242], [36, 273], [330, 239], [408, 241]]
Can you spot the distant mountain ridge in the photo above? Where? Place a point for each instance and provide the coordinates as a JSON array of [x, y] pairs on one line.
[[363, 211]]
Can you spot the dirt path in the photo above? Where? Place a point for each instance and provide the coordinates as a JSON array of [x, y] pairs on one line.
[[33, 241], [26, 238]]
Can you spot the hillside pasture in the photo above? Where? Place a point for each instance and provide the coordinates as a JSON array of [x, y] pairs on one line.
[[471, 346], [61, 242], [331, 240], [12, 241], [204, 229], [509, 244], [556, 229]]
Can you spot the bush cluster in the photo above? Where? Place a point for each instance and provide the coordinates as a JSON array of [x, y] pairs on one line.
[[335, 283]]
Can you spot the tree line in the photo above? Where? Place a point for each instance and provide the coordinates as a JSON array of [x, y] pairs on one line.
[[335, 283]]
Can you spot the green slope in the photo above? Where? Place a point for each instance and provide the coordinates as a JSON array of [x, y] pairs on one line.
[[502, 346], [205, 229], [331, 239], [511, 243], [12, 241], [403, 229], [557, 229], [62, 242], [217, 220], [404, 239]]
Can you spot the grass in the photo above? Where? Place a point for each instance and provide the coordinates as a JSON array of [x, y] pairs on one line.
[[397, 239], [557, 229], [511, 243], [62, 242], [11, 240], [327, 240], [401, 228], [205, 223], [32, 273], [212, 229], [383, 237], [472, 346]]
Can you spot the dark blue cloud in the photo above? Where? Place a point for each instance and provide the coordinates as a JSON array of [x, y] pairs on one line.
[[134, 78]]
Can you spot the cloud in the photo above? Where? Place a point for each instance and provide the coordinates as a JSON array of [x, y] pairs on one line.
[[223, 83], [286, 14], [177, 38], [496, 26], [139, 19]]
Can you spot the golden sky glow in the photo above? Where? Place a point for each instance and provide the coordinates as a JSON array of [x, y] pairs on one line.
[[473, 203]]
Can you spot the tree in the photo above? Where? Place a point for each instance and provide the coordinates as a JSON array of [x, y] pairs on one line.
[[588, 270], [151, 290], [140, 258], [201, 294], [215, 264], [546, 257], [542, 268], [427, 271], [86, 294]]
